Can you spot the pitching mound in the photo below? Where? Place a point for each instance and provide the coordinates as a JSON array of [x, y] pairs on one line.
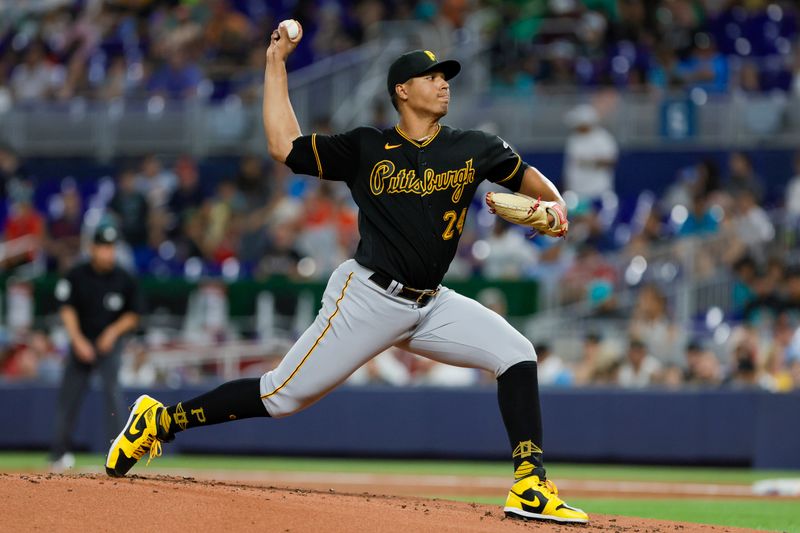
[[81, 502]]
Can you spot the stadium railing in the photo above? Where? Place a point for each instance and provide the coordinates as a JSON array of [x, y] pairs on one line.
[[349, 90], [690, 272]]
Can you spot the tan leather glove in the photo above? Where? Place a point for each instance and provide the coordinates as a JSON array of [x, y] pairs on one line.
[[527, 211]]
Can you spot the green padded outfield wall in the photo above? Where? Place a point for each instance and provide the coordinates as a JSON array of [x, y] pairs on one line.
[[522, 296]]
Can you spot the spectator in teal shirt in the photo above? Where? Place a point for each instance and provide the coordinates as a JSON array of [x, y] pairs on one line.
[[705, 68], [701, 219]]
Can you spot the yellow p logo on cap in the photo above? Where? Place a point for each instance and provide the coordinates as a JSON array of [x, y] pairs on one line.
[[431, 55]]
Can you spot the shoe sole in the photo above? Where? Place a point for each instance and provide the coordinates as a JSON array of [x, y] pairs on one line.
[[110, 471], [513, 512]]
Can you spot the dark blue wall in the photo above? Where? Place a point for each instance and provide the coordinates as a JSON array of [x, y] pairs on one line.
[[720, 427], [637, 170], [655, 170]]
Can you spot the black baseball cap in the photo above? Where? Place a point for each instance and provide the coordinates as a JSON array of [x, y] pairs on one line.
[[416, 63], [106, 235]]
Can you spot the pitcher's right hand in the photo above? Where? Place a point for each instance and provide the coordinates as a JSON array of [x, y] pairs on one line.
[[280, 46]]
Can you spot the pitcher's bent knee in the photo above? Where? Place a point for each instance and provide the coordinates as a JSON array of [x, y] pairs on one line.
[[517, 350], [278, 399]]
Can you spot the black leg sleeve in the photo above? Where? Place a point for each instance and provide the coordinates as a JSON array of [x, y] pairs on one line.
[[233, 400], [518, 395]]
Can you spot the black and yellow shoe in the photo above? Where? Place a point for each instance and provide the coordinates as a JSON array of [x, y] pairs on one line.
[[147, 427], [535, 498]]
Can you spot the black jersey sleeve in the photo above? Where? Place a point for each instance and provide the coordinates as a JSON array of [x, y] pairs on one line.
[[330, 157], [502, 165], [134, 301], [65, 291]]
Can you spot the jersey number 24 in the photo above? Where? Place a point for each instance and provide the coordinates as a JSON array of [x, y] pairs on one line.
[[450, 217]]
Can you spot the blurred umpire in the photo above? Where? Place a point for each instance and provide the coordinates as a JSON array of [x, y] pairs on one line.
[[100, 303]]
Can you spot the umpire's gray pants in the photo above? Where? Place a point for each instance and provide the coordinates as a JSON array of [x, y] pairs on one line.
[[74, 383], [359, 320]]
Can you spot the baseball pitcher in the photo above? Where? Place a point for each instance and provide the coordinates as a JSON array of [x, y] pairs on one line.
[[413, 184]]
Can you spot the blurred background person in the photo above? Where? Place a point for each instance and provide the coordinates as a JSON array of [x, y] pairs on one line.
[[590, 359], [510, 253], [640, 369], [36, 78], [24, 230], [590, 156], [100, 305], [131, 210], [702, 367], [650, 322], [63, 242], [793, 190], [155, 182], [552, 369]]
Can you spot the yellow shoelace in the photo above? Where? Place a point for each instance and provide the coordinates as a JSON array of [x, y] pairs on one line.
[[153, 445], [550, 486], [155, 451]]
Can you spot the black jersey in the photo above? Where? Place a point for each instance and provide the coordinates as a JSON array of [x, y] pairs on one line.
[[99, 298], [412, 196]]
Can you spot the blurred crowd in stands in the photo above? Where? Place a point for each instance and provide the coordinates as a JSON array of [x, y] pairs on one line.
[[259, 221], [638, 45], [712, 232], [752, 364], [697, 286], [108, 49]]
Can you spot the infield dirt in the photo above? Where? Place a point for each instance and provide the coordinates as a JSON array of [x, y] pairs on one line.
[[94, 502]]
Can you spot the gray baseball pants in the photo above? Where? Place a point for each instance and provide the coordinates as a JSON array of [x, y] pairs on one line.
[[359, 320]]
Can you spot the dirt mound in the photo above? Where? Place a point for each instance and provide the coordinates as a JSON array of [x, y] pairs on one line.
[[81, 502]]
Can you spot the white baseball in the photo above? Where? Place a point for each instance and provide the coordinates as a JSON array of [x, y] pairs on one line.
[[292, 29]]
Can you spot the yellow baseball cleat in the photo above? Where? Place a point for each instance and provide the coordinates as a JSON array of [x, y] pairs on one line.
[[534, 498], [142, 433]]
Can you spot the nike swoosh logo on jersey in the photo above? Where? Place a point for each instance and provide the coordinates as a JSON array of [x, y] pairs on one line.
[[388, 146]]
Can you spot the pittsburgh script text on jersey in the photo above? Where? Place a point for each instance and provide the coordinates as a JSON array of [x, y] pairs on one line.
[[406, 180]]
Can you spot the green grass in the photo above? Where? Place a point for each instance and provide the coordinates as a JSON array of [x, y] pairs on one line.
[[37, 460], [777, 515], [666, 473], [31, 460], [772, 515]]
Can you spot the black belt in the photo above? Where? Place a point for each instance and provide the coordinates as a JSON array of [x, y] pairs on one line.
[[420, 297]]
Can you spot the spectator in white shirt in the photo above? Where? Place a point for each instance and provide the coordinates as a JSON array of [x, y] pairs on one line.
[[155, 182], [640, 369], [793, 190], [510, 253], [753, 225], [590, 156], [35, 79], [552, 369]]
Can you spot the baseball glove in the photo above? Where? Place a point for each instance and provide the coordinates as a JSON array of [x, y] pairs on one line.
[[527, 211]]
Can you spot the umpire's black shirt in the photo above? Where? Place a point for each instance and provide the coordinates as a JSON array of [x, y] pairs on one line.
[[99, 298], [412, 196]]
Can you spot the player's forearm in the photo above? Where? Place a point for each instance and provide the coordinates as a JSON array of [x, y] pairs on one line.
[[125, 323], [70, 319], [280, 123], [536, 185]]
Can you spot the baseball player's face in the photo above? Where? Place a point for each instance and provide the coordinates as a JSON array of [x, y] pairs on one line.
[[103, 256], [429, 92]]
